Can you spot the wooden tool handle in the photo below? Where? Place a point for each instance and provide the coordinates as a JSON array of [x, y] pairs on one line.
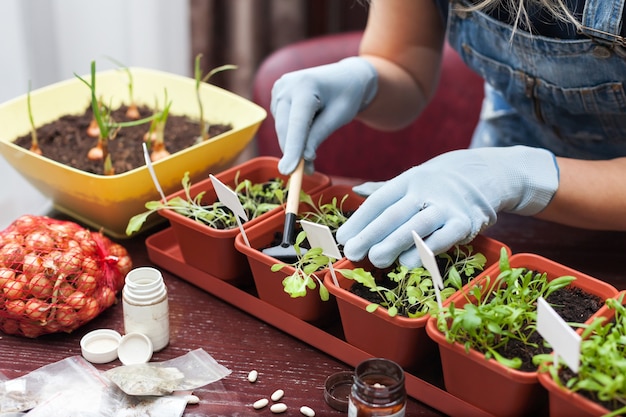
[[291, 209], [295, 184]]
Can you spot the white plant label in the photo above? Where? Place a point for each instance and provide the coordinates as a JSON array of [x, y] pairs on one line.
[[146, 157], [564, 340], [229, 198], [430, 263], [320, 236]]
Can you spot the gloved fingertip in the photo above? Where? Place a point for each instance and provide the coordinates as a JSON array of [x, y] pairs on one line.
[[351, 254], [381, 261], [367, 188], [343, 234], [410, 258], [286, 167]]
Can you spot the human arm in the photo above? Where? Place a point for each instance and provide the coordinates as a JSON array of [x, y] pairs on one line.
[[407, 60], [591, 195], [308, 105]]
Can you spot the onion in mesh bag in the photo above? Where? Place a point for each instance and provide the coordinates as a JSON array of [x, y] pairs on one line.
[[56, 275]]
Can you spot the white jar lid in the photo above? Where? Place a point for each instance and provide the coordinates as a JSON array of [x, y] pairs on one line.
[[134, 348], [100, 346]]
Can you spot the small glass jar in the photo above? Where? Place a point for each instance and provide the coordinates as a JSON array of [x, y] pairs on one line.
[[378, 389], [145, 305]]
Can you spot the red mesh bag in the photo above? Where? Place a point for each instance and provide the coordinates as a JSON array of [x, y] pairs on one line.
[[56, 275]]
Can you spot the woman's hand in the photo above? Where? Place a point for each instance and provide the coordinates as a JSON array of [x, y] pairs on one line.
[[447, 200]]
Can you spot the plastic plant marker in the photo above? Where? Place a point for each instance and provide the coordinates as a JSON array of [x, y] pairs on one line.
[[564, 340], [430, 263], [229, 198], [320, 236], [146, 156]]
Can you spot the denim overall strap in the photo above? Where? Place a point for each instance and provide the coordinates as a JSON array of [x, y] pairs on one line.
[[565, 95], [603, 19]]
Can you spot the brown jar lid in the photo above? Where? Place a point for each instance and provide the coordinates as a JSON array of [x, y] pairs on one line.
[[337, 390]]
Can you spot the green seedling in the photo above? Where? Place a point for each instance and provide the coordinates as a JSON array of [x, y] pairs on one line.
[[502, 310], [204, 127], [108, 128], [330, 214], [413, 293], [312, 260], [602, 372], [305, 267], [256, 199]]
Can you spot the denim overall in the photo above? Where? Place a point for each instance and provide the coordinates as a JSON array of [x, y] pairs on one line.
[[565, 95]]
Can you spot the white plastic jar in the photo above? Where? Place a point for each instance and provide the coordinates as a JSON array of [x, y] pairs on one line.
[[145, 305]]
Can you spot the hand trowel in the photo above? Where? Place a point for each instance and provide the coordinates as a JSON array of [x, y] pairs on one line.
[[285, 252]]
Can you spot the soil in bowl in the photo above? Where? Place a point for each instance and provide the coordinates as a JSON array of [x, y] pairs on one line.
[[65, 140]]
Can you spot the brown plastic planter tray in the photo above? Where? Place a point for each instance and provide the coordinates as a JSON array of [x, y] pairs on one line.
[[163, 250]]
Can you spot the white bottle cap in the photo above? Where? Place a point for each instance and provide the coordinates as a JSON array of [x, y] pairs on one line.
[[100, 346], [135, 348]]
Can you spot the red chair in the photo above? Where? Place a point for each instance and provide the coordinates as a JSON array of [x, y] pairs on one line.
[[358, 151]]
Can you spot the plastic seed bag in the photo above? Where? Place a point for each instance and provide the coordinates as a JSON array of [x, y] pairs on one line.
[[70, 387], [187, 372]]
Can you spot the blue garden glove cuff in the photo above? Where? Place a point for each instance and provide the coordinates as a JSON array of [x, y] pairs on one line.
[[310, 104], [447, 200]]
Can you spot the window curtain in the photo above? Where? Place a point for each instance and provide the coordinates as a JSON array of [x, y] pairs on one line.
[[244, 32]]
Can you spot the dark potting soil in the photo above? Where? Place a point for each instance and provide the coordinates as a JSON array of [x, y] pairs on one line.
[[65, 140], [566, 374], [573, 304]]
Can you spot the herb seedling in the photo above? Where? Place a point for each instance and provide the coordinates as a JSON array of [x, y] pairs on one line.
[[504, 310], [256, 199], [305, 267], [602, 361], [34, 145], [330, 214], [108, 128], [204, 129], [412, 292]]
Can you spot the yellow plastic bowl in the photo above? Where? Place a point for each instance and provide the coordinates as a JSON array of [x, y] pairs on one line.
[[107, 202]]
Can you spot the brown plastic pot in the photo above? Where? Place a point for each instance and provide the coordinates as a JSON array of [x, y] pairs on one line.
[[213, 250], [564, 402], [400, 339], [269, 284], [487, 384]]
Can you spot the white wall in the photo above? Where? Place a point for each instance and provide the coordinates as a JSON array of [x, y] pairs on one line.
[[45, 41]]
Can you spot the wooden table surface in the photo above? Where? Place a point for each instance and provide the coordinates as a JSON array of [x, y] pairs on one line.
[[242, 342]]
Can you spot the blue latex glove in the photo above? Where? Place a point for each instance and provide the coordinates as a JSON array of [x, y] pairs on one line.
[[310, 104], [446, 201]]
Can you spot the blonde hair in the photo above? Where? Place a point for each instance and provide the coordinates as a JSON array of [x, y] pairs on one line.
[[518, 9]]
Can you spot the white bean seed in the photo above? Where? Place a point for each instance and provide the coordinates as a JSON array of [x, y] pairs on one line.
[[277, 395], [278, 408], [192, 399], [260, 403], [307, 411], [253, 375]]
